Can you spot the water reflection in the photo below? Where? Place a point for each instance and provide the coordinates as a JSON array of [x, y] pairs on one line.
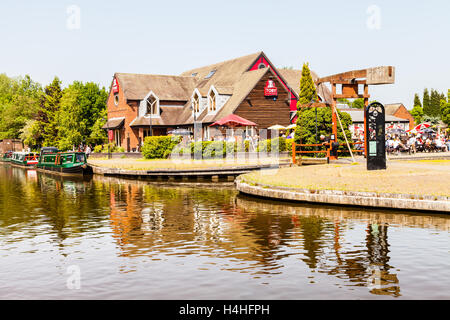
[[236, 233]]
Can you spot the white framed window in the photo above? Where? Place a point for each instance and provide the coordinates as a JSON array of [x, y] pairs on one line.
[[116, 99], [151, 103], [212, 100], [196, 102]]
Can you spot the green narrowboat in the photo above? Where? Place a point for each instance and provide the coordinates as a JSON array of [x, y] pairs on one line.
[[25, 159], [6, 156], [65, 163]]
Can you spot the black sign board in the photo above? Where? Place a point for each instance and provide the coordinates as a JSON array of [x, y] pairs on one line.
[[375, 136]]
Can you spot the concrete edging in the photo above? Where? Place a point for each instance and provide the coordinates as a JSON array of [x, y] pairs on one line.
[[351, 198]]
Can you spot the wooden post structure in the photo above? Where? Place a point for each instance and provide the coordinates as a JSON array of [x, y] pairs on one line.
[[350, 81]]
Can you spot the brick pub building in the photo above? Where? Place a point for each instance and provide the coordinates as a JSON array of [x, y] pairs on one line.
[[250, 87]]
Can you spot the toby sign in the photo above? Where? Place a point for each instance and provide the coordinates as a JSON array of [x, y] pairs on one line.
[[111, 135], [115, 86], [270, 90]]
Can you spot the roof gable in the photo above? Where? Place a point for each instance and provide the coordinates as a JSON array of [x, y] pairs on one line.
[[226, 75], [137, 86]]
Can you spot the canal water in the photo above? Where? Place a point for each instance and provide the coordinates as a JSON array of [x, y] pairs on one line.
[[108, 238]]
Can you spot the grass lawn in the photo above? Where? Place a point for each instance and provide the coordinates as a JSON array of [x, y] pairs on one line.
[[143, 164], [401, 177]]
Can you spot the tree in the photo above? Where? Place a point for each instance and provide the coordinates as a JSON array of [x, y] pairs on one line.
[[358, 103], [417, 101], [431, 119], [307, 94], [417, 113], [426, 102], [30, 134], [19, 101], [435, 103], [46, 118], [324, 125], [82, 108], [445, 109], [98, 135]]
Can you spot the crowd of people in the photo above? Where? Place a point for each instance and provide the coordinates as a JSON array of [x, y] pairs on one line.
[[412, 143]]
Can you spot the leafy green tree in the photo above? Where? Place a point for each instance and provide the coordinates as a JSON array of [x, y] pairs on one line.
[[344, 101], [426, 102], [307, 94], [70, 121], [19, 100], [417, 113], [82, 109], [445, 109], [358, 103], [30, 134], [324, 125], [98, 135], [431, 119]]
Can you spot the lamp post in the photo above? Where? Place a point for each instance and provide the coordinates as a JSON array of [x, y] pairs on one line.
[[107, 126]]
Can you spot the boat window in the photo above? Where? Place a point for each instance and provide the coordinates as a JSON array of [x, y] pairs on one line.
[[69, 158], [80, 157]]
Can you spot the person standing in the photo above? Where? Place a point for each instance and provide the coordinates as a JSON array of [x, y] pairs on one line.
[[88, 151]]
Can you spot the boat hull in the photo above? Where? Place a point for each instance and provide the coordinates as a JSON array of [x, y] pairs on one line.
[[23, 165], [75, 170]]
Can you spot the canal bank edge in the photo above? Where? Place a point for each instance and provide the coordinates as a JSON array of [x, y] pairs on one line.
[[348, 198]]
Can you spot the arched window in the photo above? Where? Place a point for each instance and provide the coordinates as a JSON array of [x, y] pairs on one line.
[[196, 103], [152, 106], [212, 101]]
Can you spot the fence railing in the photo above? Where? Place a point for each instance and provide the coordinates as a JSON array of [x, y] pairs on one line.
[[327, 150]]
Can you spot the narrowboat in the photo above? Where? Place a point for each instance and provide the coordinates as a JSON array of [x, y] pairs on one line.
[[65, 163], [24, 159], [6, 156]]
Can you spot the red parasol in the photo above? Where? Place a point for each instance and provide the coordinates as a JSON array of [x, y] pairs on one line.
[[422, 126], [233, 120]]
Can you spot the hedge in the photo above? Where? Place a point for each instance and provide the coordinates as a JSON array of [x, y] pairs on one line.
[[159, 147], [281, 144]]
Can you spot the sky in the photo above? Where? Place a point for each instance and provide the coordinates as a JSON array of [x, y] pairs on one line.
[[91, 40]]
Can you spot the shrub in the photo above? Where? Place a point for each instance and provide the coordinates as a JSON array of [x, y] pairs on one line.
[[112, 147], [266, 145], [119, 149], [98, 149], [159, 147]]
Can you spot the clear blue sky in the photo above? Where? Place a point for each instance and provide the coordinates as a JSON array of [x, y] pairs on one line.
[[168, 37]]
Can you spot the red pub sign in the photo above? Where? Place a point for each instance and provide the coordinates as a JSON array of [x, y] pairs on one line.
[[115, 86], [270, 89], [111, 135]]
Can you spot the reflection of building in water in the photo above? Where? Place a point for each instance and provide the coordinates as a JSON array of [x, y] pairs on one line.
[[322, 230], [151, 220]]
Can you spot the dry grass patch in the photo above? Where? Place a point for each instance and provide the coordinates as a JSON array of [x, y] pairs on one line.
[[418, 178], [155, 164]]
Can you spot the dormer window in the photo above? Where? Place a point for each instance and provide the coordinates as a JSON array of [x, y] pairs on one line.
[[210, 74], [151, 105], [196, 102], [212, 107], [194, 74]]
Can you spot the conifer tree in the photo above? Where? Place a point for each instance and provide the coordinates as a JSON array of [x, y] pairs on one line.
[[426, 102], [417, 100], [307, 94], [47, 116], [445, 109], [435, 103]]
